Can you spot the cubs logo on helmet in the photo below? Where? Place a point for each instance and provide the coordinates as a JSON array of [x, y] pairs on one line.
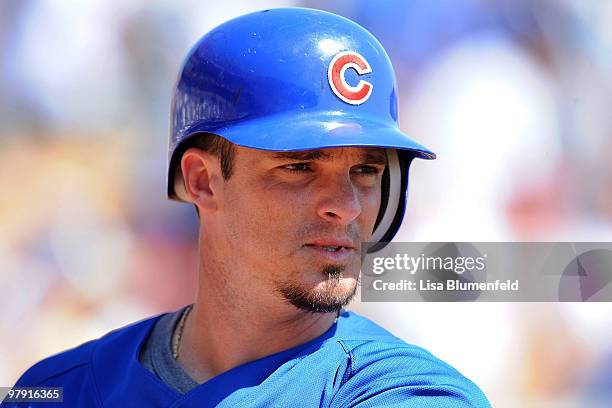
[[355, 95]]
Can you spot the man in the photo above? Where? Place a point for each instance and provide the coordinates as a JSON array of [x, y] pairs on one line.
[[285, 138]]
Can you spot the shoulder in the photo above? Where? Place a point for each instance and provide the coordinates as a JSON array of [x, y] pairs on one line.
[[57, 365], [384, 370], [72, 361]]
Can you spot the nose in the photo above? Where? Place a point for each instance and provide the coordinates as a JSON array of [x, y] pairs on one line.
[[338, 200]]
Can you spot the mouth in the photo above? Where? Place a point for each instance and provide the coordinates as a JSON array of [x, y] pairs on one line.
[[331, 244], [335, 250], [329, 248]]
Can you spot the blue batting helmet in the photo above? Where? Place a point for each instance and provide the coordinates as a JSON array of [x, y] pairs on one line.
[[294, 79]]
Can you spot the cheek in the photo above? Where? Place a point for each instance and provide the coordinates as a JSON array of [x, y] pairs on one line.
[[245, 216], [262, 217], [370, 206]]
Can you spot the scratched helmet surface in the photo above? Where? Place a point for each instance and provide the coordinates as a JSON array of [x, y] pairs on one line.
[[294, 79]]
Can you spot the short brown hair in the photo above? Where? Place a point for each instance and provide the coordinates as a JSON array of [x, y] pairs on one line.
[[209, 142], [217, 146]]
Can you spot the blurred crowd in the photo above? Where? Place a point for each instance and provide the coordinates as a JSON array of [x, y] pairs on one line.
[[513, 96]]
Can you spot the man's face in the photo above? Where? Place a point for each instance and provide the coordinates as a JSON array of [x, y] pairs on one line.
[[295, 221]]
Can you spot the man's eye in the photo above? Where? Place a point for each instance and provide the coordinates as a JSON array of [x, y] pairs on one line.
[[368, 170], [297, 167]]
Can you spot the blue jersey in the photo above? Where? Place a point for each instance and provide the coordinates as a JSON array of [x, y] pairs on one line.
[[355, 363]]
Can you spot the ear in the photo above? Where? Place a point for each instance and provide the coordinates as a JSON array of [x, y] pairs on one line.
[[202, 177]]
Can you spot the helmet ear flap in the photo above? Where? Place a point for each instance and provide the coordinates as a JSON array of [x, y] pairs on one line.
[[175, 184], [384, 196], [393, 198]]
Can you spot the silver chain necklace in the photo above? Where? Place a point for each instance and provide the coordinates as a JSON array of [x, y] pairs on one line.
[[178, 332]]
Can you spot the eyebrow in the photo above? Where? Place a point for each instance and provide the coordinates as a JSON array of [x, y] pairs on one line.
[[369, 156]]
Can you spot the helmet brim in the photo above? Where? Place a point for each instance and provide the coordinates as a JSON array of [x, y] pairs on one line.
[[291, 132]]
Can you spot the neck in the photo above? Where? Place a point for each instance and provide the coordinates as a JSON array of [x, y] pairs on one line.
[[224, 330]]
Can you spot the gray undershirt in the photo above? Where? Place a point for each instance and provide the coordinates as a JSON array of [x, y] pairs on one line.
[[156, 354]]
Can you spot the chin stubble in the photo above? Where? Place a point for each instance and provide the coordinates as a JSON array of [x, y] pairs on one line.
[[319, 301]]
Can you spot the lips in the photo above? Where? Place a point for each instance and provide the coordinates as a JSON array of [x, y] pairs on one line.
[[332, 245], [332, 248], [335, 250]]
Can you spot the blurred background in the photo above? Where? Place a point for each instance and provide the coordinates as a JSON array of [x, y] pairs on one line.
[[513, 96]]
